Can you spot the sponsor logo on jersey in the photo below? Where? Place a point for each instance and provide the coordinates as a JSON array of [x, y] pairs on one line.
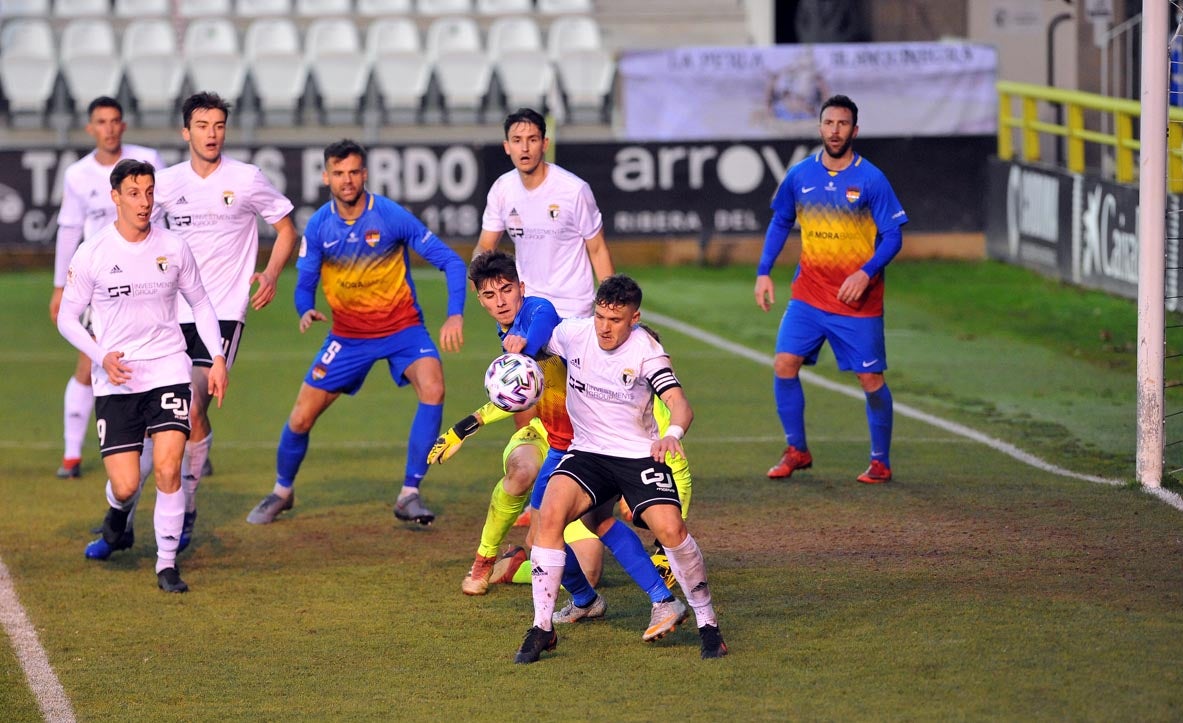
[[372, 237], [575, 362], [831, 187], [319, 372], [116, 270], [228, 198], [553, 210], [513, 225], [162, 263], [181, 200], [70, 275], [853, 194]]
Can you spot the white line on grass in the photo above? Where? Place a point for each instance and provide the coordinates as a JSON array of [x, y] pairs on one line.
[[1006, 448], [51, 697]]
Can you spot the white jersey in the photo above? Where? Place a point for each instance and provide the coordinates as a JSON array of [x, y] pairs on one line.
[[131, 288], [609, 398], [86, 202], [548, 226], [216, 217]]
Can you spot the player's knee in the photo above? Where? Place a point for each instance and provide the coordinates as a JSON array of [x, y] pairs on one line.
[[518, 480], [786, 366], [871, 383]]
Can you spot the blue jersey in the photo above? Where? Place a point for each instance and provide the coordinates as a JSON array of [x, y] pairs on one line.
[[842, 215], [536, 321], [364, 268]]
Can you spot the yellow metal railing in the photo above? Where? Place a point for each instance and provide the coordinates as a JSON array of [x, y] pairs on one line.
[[1073, 104]]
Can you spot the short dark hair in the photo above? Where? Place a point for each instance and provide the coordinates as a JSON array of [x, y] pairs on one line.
[[204, 100], [490, 266], [840, 101], [129, 167], [525, 115], [619, 290], [103, 101], [343, 149]]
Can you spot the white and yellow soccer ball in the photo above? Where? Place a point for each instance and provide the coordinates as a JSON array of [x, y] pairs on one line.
[[514, 382]]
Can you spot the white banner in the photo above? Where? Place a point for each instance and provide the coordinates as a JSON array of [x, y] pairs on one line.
[[902, 89]]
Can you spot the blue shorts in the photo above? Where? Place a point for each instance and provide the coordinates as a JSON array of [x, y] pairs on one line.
[[553, 457], [344, 362], [857, 341]]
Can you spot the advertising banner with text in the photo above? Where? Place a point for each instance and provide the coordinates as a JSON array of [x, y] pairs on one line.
[[901, 89]]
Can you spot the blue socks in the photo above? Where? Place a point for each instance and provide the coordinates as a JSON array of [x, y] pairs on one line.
[[879, 418], [790, 407], [626, 547], [425, 427], [289, 456], [575, 581]]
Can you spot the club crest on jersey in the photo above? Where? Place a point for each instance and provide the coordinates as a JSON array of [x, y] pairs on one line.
[[319, 372], [628, 376], [853, 194], [70, 275], [553, 210], [228, 198], [372, 238], [162, 263]]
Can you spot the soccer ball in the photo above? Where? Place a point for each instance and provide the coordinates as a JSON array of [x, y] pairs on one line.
[[514, 382]]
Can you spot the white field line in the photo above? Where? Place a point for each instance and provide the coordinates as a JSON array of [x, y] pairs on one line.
[[1006, 448], [43, 682]]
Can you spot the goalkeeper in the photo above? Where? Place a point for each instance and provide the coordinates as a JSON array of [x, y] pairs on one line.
[[525, 325]]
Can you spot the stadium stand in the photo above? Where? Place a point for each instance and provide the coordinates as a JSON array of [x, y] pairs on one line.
[[444, 7], [24, 8], [133, 9], [90, 62], [213, 57], [565, 7], [323, 8], [524, 72], [584, 67], [504, 7], [203, 8], [401, 71], [384, 8], [81, 8], [154, 69], [262, 8], [28, 69], [277, 69], [462, 69], [340, 68]]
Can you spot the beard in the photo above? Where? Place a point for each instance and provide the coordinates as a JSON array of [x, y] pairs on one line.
[[841, 151]]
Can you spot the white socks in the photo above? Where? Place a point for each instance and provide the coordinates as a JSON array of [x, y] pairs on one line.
[[546, 577], [77, 404], [196, 453], [168, 517], [688, 566]]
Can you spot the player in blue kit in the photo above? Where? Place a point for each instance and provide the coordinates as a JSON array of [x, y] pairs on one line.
[[356, 246], [850, 230]]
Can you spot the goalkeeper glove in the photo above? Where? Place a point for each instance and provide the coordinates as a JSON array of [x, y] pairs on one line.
[[449, 442]]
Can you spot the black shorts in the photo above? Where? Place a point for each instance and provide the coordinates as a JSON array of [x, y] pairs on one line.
[[124, 419], [642, 482], [231, 332]]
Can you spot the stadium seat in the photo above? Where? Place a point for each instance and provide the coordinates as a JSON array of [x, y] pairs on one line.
[[203, 8], [462, 68], [28, 69], [277, 68], [339, 67], [523, 69], [384, 8], [444, 7], [585, 69], [402, 73], [213, 57], [140, 9], [154, 68], [262, 8], [565, 7], [323, 8], [90, 60], [24, 9], [68, 9], [504, 7]]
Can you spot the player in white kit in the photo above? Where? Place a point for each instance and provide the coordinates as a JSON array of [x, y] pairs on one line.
[[87, 207], [130, 273], [614, 370]]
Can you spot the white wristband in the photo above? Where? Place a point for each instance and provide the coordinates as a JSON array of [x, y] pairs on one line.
[[674, 431]]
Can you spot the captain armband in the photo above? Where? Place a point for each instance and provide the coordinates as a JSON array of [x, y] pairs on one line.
[[663, 380]]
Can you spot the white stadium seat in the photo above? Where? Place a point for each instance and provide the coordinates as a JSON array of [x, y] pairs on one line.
[[402, 72], [67, 9], [338, 65], [323, 8], [278, 70], [28, 68], [444, 7], [384, 8], [585, 68], [523, 68], [462, 68], [90, 60], [213, 57], [504, 7], [133, 9], [262, 8], [203, 8], [154, 68], [573, 33], [24, 9], [565, 7]]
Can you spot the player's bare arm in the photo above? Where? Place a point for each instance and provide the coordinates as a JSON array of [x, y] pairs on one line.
[[681, 415], [487, 241], [600, 257], [219, 379], [309, 317], [452, 333], [55, 303], [765, 292], [281, 251]]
